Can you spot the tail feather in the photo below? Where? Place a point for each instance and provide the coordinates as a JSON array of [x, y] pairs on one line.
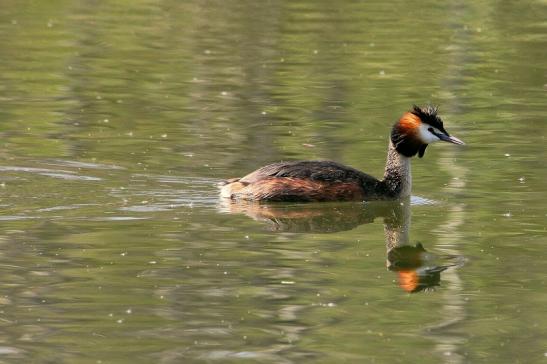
[[231, 186], [228, 181]]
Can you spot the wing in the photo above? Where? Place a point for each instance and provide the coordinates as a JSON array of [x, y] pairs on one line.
[[314, 170]]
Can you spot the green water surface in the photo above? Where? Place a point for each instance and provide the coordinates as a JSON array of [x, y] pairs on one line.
[[118, 119]]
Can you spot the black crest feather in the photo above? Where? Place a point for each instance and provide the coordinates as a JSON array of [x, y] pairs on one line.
[[428, 115]]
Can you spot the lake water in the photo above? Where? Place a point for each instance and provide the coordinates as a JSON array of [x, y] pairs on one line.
[[118, 119]]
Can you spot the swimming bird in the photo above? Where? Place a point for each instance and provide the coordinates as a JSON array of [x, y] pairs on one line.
[[307, 181]]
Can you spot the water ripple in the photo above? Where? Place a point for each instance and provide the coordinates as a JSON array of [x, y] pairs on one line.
[[55, 173], [87, 165]]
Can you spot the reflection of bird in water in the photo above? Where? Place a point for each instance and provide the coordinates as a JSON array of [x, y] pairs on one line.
[[417, 269], [307, 181], [319, 218]]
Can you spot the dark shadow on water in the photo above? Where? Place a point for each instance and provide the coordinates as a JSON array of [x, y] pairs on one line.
[[417, 269]]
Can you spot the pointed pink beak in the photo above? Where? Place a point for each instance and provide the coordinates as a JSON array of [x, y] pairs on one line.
[[450, 139]]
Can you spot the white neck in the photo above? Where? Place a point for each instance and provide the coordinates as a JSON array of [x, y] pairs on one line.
[[397, 177]]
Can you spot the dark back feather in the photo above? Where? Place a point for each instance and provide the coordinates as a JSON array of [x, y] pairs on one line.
[[314, 170]]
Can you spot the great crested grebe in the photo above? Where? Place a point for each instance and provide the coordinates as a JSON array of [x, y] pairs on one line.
[[307, 181]]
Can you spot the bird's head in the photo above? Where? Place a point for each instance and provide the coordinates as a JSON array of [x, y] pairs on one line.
[[418, 128]]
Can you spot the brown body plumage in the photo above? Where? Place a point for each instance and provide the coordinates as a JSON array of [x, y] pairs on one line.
[[308, 181], [296, 189]]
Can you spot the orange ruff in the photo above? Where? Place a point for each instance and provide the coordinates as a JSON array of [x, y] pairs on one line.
[[295, 189], [409, 122]]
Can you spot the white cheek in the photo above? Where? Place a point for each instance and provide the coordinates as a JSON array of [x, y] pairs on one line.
[[426, 136]]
